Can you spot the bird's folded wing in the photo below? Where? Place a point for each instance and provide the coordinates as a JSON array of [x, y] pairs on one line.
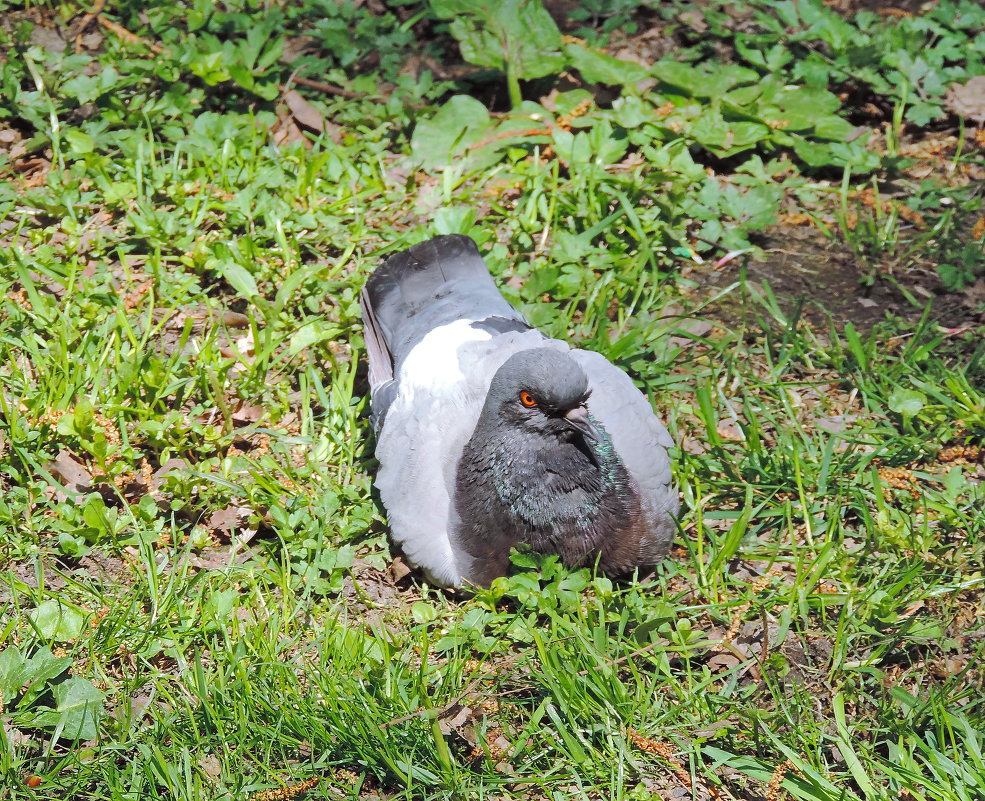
[[639, 438], [377, 353]]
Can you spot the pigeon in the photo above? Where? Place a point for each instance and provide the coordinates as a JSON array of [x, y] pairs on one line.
[[491, 435]]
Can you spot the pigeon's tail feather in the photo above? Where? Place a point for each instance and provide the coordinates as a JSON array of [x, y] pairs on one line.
[[434, 283], [419, 272]]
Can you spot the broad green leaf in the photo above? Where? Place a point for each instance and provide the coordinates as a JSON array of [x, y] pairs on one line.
[[598, 67], [838, 154], [608, 145], [454, 219], [43, 666], [57, 621], [770, 60], [834, 128], [79, 141], [512, 35], [13, 675], [712, 83], [907, 402], [237, 276], [742, 135], [681, 76], [754, 208], [28, 675], [744, 96], [423, 612], [711, 130], [78, 708], [311, 334], [574, 148], [461, 122], [921, 113], [802, 108], [814, 154], [631, 111]]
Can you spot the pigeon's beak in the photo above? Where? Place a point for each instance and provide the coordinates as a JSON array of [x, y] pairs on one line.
[[579, 420]]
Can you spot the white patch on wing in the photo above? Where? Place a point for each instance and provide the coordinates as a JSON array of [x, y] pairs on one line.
[[433, 362], [426, 428]]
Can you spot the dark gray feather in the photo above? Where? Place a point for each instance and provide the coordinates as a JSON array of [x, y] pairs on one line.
[[429, 285]]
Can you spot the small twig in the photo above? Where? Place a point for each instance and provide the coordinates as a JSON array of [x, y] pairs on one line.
[[440, 714], [715, 245], [455, 701], [766, 637], [327, 88], [124, 34], [542, 131], [84, 23]]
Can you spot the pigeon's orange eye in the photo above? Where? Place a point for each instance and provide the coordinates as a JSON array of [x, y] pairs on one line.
[[528, 400]]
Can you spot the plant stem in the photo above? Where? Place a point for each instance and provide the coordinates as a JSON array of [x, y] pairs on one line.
[[513, 86]]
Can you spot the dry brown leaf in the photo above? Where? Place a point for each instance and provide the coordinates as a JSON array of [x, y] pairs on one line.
[[304, 113], [975, 294], [287, 132], [453, 722], [719, 663], [968, 99], [228, 520], [296, 46], [247, 413], [75, 476], [210, 766], [398, 569], [171, 465], [729, 429]]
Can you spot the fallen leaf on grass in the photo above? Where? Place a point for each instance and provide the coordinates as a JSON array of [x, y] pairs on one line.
[[968, 99], [229, 520], [304, 113], [133, 708], [210, 766], [453, 722], [287, 132], [235, 319], [171, 465], [975, 294], [398, 569], [719, 663], [836, 423], [34, 170], [729, 429], [75, 476], [297, 46], [247, 413], [691, 332]]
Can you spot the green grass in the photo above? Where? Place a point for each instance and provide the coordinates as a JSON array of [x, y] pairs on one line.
[[195, 600]]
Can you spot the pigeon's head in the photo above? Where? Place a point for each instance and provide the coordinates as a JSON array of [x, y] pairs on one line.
[[542, 390]]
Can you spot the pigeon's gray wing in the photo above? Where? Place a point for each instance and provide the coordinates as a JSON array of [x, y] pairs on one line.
[[441, 385], [640, 440]]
